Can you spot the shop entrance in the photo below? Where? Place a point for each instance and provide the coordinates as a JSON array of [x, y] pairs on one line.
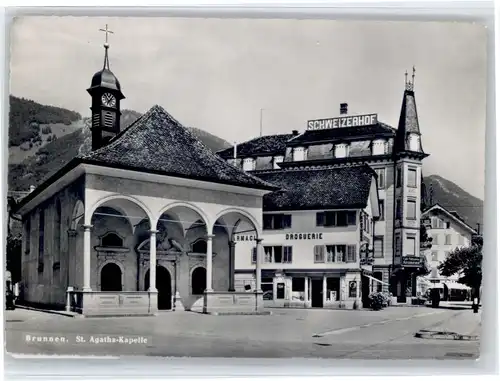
[[317, 293], [365, 291]]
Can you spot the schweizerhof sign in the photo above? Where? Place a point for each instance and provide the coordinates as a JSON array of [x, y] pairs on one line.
[[342, 121]]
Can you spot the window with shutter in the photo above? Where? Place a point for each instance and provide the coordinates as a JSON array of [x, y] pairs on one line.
[[351, 253], [319, 255]]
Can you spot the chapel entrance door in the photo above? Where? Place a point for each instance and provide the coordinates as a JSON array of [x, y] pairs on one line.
[[111, 277], [164, 287]]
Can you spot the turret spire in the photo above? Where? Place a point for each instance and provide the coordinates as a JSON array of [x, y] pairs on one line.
[[409, 85], [408, 134], [106, 46]]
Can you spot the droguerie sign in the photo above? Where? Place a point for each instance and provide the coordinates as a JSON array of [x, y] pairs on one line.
[[342, 121]]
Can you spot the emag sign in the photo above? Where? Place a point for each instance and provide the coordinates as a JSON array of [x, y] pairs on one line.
[[342, 121]]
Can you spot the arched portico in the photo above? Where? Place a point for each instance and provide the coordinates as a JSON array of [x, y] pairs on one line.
[[239, 221], [110, 224]]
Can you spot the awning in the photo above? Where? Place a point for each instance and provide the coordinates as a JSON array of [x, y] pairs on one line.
[[457, 286], [375, 279]]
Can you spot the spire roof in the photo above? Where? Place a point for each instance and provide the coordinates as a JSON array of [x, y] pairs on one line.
[[408, 121]]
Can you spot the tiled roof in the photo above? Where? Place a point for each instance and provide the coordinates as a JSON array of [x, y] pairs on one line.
[[263, 145], [158, 143], [347, 133], [329, 188]]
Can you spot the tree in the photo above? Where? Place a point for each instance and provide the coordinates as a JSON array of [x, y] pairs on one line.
[[466, 261]]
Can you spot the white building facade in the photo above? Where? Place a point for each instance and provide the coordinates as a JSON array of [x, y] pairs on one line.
[[394, 154]]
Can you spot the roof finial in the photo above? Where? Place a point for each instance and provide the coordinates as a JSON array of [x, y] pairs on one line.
[[106, 46], [409, 84]]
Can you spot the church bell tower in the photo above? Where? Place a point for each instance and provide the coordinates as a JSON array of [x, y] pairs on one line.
[[106, 94]]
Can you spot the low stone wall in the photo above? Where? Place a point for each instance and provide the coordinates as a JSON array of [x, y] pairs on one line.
[[233, 302], [123, 303]]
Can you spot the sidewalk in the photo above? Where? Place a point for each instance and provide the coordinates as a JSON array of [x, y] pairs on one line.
[[466, 325]]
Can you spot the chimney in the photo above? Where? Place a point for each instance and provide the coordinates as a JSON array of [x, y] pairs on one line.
[[295, 132], [343, 108], [32, 188]]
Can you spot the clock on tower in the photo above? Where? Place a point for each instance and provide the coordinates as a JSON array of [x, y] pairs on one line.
[[106, 94]]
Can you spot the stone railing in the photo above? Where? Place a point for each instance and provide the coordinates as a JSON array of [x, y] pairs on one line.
[[113, 303]]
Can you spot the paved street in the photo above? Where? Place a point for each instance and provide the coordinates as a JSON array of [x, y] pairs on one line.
[[347, 334]]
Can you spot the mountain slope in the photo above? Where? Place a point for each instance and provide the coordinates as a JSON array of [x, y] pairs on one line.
[[46, 160], [452, 197], [27, 117]]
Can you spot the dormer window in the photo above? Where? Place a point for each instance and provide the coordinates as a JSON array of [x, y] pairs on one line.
[[378, 147], [249, 164], [414, 142], [299, 154], [111, 240], [341, 150], [276, 161]]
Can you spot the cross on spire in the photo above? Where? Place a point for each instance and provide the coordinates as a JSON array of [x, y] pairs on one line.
[[106, 46], [107, 31]]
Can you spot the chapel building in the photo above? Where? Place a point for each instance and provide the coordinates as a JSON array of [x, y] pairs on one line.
[[142, 222]]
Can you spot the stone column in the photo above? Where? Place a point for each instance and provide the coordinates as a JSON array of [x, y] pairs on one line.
[[152, 260], [86, 257], [209, 262], [70, 271], [306, 291], [232, 247], [258, 259], [324, 290]]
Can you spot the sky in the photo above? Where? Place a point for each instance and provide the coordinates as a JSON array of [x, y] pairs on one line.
[[217, 75]]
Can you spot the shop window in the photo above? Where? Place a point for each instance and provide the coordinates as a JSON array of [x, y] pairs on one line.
[[332, 289]]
